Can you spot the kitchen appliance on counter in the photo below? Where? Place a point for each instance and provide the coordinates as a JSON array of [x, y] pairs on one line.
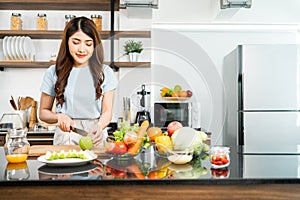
[[263, 99], [12, 120], [144, 106], [166, 112]]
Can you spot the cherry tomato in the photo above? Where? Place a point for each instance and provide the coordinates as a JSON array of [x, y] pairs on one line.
[[224, 160], [219, 160], [220, 173]]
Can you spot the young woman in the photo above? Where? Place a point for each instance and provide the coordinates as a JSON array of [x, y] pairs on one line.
[[81, 84]]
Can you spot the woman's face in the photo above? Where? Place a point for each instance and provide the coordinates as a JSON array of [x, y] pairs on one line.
[[81, 48]]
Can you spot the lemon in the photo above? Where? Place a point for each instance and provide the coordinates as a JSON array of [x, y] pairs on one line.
[[86, 143]]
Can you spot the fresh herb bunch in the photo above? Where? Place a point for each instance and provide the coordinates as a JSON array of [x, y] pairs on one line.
[[132, 46]]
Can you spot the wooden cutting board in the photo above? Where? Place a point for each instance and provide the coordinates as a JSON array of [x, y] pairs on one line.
[[38, 150]]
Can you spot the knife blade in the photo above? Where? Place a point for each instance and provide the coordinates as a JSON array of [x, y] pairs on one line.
[[79, 131]]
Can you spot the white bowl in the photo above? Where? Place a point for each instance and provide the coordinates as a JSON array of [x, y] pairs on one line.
[[180, 157]]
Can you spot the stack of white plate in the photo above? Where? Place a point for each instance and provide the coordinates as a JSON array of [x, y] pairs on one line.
[[17, 48]]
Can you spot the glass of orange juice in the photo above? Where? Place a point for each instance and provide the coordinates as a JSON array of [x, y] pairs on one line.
[[17, 171], [16, 147]]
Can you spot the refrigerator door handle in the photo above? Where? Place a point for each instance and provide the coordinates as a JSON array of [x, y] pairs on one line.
[[240, 108]]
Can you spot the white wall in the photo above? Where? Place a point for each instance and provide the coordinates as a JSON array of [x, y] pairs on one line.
[[191, 46]]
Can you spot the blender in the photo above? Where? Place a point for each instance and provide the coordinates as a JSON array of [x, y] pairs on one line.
[[143, 113]]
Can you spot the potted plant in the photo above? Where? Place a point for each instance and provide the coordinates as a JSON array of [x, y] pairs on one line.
[[133, 49]]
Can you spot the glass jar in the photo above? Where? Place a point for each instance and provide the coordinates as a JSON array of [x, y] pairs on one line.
[[41, 20], [219, 156], [16, 147], [97, 19], [16, 21], [220, 173], [68, 18]]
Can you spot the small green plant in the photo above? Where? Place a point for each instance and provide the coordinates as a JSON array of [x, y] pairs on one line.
[[132, 46]]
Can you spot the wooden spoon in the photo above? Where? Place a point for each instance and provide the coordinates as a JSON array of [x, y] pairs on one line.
[[22, 103], [28, 102], [19, 103], [13, 103]]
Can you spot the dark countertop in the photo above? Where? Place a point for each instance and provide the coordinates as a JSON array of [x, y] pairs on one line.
[[249, 177], [243, 169]]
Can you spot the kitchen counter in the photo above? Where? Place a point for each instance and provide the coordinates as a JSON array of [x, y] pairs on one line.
[[44, 137], [247, 177]]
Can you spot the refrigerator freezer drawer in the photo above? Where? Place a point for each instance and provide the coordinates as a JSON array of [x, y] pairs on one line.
[[267, 166], [272, 132]]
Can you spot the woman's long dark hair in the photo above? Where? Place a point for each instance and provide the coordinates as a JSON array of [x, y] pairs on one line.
[[65, 62]]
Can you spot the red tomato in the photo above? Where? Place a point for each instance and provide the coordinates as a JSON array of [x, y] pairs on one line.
[[108, 169], [130, 138], [117, 147], [118, 173]]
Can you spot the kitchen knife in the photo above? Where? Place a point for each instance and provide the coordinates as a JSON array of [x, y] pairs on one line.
[[79, 131]]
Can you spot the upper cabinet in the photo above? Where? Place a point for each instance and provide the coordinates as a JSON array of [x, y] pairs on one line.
[[103, 5]]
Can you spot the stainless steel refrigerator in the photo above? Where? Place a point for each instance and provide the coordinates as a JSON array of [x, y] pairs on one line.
[[262, 104]]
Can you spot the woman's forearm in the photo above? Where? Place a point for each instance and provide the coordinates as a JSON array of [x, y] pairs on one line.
[[104, 120], [48, 116]]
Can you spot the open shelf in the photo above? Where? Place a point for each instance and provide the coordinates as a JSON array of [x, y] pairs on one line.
[[56, 34], [45, 64], [84, 5], [103, 5]]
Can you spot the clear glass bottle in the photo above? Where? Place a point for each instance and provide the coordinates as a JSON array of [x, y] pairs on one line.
[[41, 20], [16, 21], [16, 147], [97, 19], [68, 18], [126, 111], [219, 156]]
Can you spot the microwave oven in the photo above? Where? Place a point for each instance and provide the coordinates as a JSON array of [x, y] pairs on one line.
[[166, 112]]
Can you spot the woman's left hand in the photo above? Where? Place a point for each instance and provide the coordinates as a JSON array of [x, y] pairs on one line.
[[97, 135]]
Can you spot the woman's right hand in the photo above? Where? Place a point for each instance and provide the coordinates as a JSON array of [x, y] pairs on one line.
[[64, 122]]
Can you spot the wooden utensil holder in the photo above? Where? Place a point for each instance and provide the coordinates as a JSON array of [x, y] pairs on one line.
[[33, 114]]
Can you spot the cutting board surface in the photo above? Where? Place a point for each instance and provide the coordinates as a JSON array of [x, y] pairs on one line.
[[38, 150]]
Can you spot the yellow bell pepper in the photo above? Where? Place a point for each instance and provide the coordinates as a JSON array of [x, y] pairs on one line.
[[163, 142]]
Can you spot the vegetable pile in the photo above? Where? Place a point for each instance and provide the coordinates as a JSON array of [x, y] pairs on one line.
[[165, 141], [128, 140]]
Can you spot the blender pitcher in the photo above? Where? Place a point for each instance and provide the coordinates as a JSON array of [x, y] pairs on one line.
[[144, 106]]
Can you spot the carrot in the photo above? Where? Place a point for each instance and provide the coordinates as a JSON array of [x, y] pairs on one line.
[[141, 133], [133, 168]]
